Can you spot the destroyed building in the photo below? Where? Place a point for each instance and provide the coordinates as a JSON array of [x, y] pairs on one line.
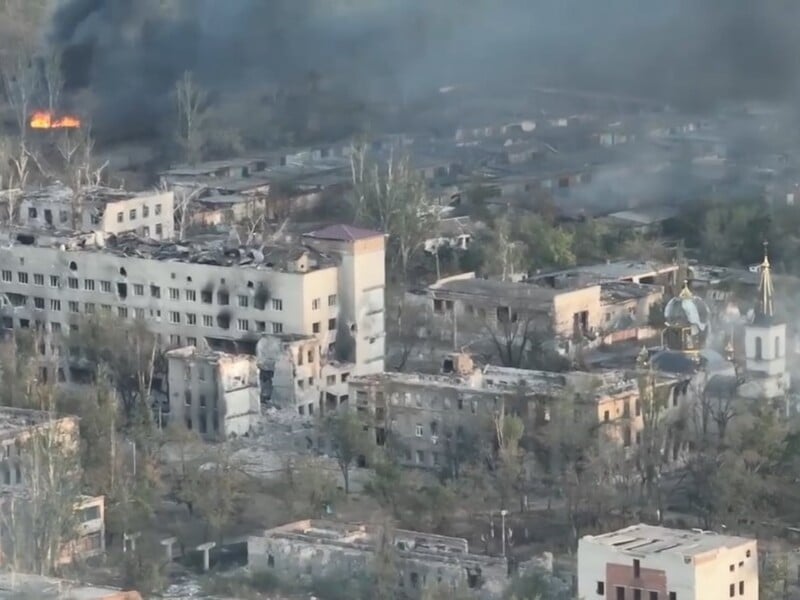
[[213, 393], [18, 464], [227, 296], [111, 211], [15, 586], [309, 549], [463, 307], [296, 377], [433, 421]]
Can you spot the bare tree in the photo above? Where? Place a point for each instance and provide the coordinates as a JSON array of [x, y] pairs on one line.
[[183, 201], [39, 521], [191, 104], [53, 80], [391, 197]]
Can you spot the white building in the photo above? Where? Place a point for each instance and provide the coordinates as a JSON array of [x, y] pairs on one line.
[[766, 373], [331, 288], [644, 562], [149, 215], [213, 393]]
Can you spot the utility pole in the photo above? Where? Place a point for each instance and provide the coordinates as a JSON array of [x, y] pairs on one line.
[[503, 514]]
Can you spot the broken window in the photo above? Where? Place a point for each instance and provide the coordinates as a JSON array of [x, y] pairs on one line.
[[223, 298], [155, 291], [32, 212], [331, 324], [158, 209], [206, 297], [159, 230], [17, 300], [438, 306], [120, 217], [223, 321], [315, 327], [503, 314]]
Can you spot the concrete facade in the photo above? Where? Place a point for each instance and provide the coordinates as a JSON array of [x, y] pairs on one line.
[[319, 548], [431, 420], [644, 562], [213, 393], [294, 376], [223, 296], [17, 426], [464, 308], [150, 215]]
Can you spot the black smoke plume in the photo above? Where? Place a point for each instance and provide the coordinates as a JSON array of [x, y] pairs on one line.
[[691, 53]]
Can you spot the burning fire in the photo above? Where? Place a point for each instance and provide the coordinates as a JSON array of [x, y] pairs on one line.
[[43, 119]]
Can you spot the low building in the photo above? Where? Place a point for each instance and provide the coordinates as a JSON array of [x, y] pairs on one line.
[[320, 548], [14, 586], [213, 393], [644, 562], [112, 211]]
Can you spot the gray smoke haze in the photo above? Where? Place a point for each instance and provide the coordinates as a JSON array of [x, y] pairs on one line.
[[691, 53]]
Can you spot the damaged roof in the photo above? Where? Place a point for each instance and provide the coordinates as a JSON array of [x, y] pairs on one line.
[[343, 233], [288, 257], [60, 193]]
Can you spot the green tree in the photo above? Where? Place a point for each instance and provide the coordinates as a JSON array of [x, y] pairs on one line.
[[349, 441]]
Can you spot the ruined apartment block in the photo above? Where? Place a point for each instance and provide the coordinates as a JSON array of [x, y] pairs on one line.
[[17, 427], [213, 393], [295, 376], [222, 296], [111, 211], [319, 548], [430, 420]]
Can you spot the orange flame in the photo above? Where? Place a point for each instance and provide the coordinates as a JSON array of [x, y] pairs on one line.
[[43, 119]]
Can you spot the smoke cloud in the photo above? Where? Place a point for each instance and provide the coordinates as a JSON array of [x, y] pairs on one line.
[[691, 53]]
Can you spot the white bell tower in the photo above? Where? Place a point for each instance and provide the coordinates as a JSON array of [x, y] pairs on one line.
[[765, 344]]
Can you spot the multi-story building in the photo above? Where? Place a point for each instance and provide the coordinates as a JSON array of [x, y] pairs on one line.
[[320, 548], [17, 428], [112, 211], [213, 393], [464, 307], [644, 562], [295, 376], [227, 297], [432, 418]]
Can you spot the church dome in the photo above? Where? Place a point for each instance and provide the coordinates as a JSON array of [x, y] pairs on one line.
[[687, 310]]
